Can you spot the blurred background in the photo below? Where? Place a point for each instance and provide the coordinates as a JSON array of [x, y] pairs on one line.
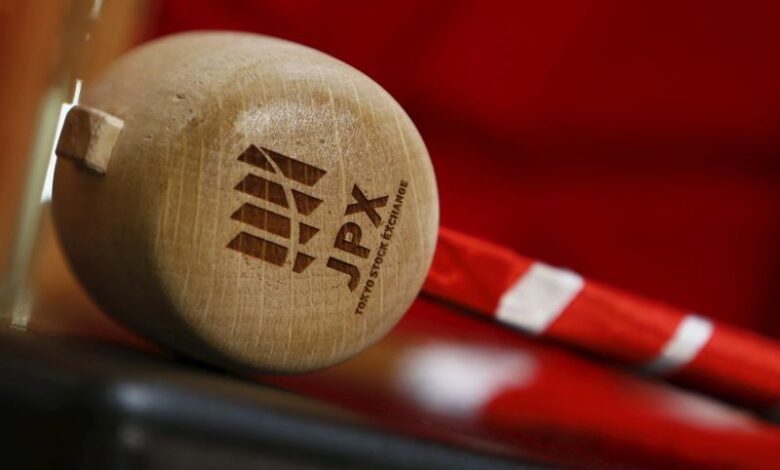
[[637, 143]]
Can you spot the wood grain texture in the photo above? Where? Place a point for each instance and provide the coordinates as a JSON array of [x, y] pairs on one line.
[[266, 206]]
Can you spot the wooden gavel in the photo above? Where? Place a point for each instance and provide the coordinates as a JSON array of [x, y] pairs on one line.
[[259, 205], [246, 201]]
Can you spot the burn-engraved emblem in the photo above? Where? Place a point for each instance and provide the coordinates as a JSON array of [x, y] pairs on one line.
[[276, 187]]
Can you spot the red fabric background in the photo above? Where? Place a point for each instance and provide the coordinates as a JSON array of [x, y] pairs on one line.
[[635, 142]]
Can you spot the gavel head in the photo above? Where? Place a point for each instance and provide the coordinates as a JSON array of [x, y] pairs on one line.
[[246, 201]]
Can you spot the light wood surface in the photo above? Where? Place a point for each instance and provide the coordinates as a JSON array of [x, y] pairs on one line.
[[264, 207]]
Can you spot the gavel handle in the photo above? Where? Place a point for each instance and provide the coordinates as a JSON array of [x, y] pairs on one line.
[[541, 300]]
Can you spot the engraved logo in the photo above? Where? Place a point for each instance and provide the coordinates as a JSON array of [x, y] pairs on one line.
[[280, 194], [284, 187]]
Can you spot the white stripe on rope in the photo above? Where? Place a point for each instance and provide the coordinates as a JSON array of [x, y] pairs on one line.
[[690, 337], [538, 298]]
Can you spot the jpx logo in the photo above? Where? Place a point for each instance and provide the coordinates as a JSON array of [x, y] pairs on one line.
[[350, 234], [291, 170], [349, 249]]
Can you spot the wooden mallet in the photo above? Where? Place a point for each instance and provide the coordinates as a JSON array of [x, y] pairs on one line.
[[262, 206], [246, 201]]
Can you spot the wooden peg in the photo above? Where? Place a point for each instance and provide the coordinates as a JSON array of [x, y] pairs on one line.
[[89, 135]]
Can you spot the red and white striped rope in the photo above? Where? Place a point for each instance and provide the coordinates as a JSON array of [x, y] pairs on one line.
[[555, 303]]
